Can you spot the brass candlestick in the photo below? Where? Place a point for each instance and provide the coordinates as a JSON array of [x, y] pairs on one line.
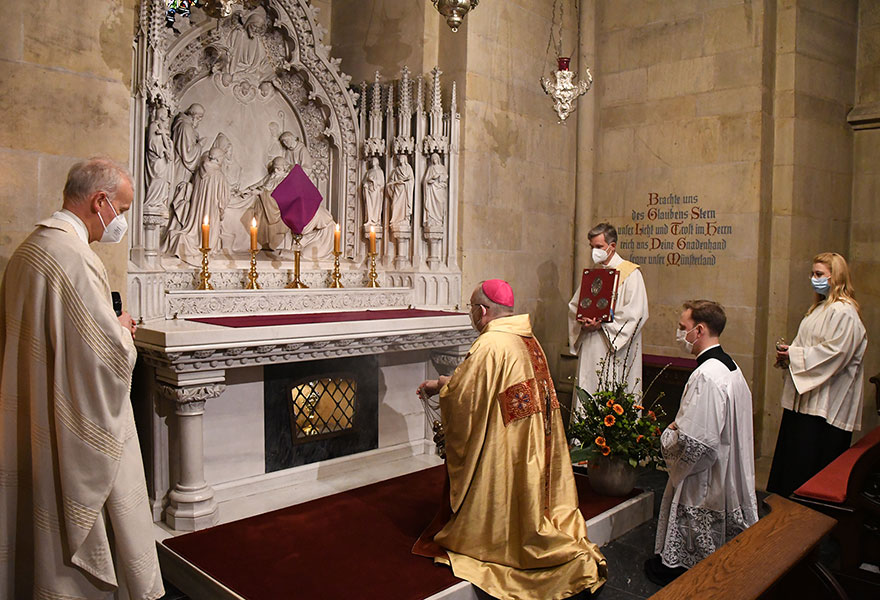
[[205, 274], [336, 276], [297, 283], [252, 274], [374, 277]]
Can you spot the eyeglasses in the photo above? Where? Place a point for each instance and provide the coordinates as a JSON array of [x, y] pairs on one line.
[[472, 305]]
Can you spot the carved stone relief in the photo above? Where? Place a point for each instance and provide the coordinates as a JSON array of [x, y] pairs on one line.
[[225, 107]]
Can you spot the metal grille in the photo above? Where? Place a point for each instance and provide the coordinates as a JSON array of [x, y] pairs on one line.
[[322, 407]]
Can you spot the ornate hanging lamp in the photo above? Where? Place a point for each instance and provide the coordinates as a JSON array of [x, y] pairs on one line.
[[454, 10], [563, 89]]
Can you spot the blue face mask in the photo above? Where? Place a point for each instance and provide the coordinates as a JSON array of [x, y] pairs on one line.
[[821, 285]]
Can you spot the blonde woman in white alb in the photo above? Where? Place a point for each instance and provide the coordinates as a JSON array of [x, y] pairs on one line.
[[823, 396]]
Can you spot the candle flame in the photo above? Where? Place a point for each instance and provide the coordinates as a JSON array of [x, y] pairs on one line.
[[337, 227], [372, 229], [254, 222], [206, 220]]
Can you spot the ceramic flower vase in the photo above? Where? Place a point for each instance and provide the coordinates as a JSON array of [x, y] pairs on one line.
[[611, 476]]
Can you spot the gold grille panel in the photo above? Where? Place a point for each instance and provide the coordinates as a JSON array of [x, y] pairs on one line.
[[322, 407]]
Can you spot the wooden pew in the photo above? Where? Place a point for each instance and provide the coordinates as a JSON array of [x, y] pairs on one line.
[[772, 558]]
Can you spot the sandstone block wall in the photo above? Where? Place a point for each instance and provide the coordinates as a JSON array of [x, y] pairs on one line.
[[65, 71]]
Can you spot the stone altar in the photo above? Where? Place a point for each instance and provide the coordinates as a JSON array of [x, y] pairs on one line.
[[219, 106]]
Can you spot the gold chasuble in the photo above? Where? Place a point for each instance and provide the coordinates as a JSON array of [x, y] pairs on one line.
[[74, 516], [515, 529]]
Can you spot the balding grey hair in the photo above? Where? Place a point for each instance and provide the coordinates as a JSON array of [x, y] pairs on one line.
[[97, 174], [604, 229]]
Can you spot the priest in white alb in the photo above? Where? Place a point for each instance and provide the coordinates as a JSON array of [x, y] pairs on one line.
[[621, 338], [75, 520], [710, 494]]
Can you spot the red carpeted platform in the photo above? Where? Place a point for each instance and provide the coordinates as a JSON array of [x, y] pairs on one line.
[[327, 317], [354, 544]]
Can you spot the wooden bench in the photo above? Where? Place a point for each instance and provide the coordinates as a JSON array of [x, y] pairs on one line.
[[848, 490], [774, 558]]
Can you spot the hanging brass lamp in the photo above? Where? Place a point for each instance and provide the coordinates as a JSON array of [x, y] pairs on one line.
[[454, 10]]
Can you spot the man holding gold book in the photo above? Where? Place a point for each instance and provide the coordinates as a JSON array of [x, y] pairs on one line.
[[621, 337]]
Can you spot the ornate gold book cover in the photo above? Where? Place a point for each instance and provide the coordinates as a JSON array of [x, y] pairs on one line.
[[598, 287]]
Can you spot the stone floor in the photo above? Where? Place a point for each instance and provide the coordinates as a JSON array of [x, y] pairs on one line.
[[627, 554]]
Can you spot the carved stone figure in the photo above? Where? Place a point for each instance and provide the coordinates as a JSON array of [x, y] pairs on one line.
[[230, 167], [400, 191], [160, 157], [295, 151], [317, 239], [374, 188], [247, 51], [274, 234], [210, 195], [187, 154], [436, 184]]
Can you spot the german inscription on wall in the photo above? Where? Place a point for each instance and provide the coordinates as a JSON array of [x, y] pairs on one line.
[[676, 231]]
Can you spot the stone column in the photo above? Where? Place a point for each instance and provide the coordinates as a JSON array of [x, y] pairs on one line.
[[434, 237], [445, 360], [191, 504], [402, 233]]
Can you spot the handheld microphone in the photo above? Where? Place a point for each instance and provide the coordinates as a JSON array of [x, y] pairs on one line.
[[117, 302]]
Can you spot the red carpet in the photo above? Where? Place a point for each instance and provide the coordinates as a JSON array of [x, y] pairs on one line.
[[354, 544], [328, 317]]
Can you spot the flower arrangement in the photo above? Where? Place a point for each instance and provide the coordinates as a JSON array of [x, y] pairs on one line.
[[612, 422]]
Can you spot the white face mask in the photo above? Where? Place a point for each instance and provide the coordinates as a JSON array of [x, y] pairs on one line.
[[599, 256], [681, 340], [115, 230]]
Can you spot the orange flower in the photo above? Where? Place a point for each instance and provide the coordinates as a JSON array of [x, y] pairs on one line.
[[606, 450], [600, 441], [638, 407], [657, 432], [609, 420], [651, 415], [610, 403], [618, 409], [639, 438]]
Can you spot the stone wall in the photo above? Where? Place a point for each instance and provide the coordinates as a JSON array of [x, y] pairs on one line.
[[812, 168], [865, 223], [65, 71], [682, 134], [518, 162], [730, 117]]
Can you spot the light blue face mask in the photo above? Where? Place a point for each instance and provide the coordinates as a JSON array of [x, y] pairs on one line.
[[821, 285]]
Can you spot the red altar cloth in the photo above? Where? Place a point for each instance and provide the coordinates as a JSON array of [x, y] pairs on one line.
[[327, 317]]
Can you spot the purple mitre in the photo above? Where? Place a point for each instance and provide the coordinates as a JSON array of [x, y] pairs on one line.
[[298, 199]]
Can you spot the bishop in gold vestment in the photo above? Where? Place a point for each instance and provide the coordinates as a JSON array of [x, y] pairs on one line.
[[515, 530]]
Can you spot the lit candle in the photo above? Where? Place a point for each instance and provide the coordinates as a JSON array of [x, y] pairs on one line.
[[253, 234], [336, 239], [205, 230], [372, 240]]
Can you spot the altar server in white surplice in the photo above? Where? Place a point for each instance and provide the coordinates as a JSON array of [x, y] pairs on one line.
[[710, 494], [70, 463], [823, 393], [591, 341]]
